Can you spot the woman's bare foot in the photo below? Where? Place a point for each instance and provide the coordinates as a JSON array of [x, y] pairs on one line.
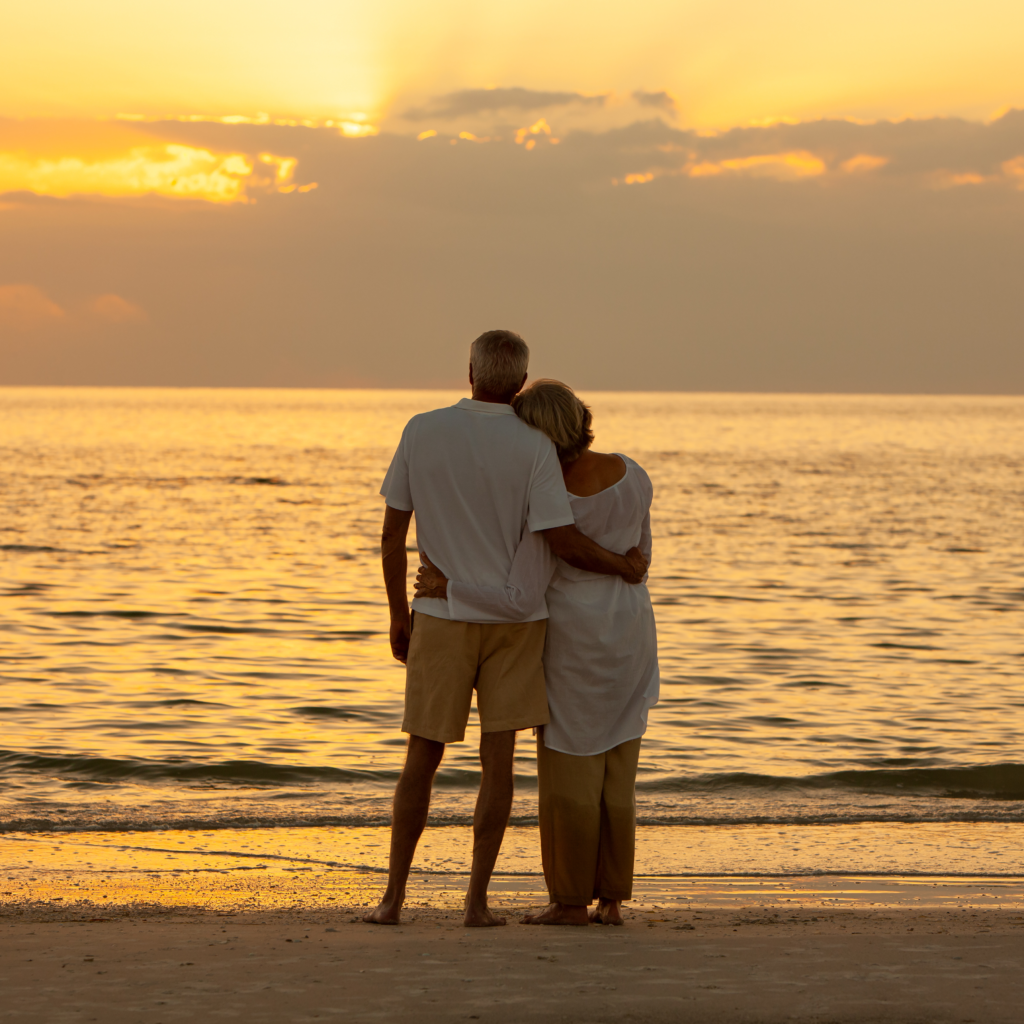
[[559, 913], [606, 912], [388, 911]]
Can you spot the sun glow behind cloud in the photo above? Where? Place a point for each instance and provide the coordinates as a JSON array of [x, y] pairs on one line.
[[788, 166], [712, 65], [169, 170], [783, 166], [62, 159], [863, 162]]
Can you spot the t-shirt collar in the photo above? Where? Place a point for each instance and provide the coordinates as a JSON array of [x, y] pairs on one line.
[[493, 408]]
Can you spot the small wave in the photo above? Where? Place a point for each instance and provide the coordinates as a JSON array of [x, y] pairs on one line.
[[246, 773], [209, 627], [969, 782], [113, 613], [987, 781], [179, 702], [322, 711], [814, 684], [86, 771], [134, 819], [35, 549], [906, 647]]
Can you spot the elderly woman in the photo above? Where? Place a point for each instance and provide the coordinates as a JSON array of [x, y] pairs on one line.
[[600, 661]]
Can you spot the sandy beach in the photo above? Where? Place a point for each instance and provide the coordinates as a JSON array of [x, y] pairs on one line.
[[155, 965], [126, 941]]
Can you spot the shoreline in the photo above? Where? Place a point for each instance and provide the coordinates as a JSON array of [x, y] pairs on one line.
[[946, 849], [69, 894], [269, 869]]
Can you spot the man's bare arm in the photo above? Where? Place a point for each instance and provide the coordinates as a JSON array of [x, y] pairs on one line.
[[396, 567], [583, 553]]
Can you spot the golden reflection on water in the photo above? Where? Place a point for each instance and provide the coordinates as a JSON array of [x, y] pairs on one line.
[[191, 579]]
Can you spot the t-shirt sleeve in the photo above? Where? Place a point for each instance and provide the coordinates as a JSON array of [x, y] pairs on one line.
[[549, 502], [395, 489]]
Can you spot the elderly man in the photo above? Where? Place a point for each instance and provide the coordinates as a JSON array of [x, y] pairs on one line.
[[477, 477]]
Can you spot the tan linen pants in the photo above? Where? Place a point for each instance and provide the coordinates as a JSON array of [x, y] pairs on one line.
[[588, 822]]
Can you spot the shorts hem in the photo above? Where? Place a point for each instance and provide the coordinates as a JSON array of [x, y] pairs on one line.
[[424, 734], [513, 725]]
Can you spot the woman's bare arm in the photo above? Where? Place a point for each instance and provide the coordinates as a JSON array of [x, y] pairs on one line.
[[583, 553]]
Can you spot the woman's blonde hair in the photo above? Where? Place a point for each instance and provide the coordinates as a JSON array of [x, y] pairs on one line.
[[552, 407]]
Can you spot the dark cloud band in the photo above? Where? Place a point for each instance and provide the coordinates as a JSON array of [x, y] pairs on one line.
[[467, 102]]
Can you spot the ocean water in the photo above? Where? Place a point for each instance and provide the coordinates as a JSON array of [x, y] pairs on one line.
[[193, 631]]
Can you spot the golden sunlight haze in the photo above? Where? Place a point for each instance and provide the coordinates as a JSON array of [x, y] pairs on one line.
[[727, 63]]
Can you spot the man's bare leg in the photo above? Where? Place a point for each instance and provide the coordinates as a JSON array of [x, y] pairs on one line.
[[493, 807], [606, 912], [560, 913], [408, 818]]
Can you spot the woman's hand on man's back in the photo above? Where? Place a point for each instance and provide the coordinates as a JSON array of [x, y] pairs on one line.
[[430, 581]]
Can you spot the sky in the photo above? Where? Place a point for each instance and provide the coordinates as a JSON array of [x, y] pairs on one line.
[[729, 196]]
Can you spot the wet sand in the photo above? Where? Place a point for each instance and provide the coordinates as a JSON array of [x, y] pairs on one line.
[[114, 943]]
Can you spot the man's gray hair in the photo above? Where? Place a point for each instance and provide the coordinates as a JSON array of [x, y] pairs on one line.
[[499, 360]]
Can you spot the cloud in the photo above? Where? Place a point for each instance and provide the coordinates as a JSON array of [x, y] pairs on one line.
[[782, 166], [863, 162], [658, 100], [182, 172], [940, 152], [63, 159], [116, 310], [468, 102], [27, 309], [24, 307], [820, 255], [1014, 169]]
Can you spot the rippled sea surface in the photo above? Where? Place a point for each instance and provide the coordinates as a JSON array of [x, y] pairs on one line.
[[193, 629]]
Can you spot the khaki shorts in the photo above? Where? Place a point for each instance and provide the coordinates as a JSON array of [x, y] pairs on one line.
[[502, 661]]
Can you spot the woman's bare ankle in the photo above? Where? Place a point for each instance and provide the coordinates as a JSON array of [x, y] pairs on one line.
[[606, 912]]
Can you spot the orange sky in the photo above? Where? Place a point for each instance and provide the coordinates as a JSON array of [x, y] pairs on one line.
[[67, 69], [727, 61], [753, 194]]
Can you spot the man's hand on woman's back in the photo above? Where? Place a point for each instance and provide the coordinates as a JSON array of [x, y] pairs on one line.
[[638, 566]]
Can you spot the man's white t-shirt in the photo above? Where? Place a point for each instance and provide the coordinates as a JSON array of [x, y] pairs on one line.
[[476, 476]]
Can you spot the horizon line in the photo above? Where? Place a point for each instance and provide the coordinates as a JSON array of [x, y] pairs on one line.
[[464, 388]]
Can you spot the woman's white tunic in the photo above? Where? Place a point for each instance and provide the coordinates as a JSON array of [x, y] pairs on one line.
[[601, 655]]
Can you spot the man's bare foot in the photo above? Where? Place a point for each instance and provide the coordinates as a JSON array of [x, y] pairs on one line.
[[481, 917], [606, 912], [388, 911], [559, 913]]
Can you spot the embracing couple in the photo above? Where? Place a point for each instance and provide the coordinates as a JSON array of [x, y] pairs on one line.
[[534, 552]]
